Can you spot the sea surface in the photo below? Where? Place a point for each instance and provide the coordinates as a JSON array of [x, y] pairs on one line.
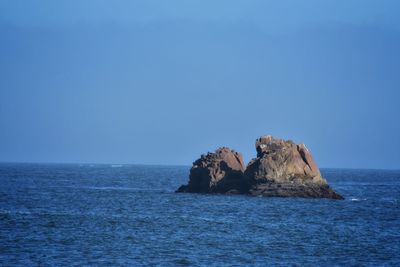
[[129, 215]]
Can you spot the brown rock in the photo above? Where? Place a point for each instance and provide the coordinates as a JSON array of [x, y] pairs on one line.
[[283, 168], [218, 172]]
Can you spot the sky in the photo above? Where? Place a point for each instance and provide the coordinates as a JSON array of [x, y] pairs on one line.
[[161, 82]]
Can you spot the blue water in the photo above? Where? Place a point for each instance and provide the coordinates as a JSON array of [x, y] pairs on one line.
[[66, 215]]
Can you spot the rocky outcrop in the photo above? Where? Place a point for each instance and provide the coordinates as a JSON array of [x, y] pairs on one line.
[[218, 172], [281, 169]]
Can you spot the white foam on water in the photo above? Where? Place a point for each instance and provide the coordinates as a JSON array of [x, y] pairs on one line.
[[116, 166]]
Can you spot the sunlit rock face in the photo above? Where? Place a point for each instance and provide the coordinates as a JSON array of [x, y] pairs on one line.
[[283, 168]]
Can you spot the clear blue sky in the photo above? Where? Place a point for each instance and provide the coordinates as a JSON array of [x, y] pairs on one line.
[[160, 82]]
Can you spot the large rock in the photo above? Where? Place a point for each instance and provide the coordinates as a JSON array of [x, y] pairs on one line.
[[283, 168], [218, 172]]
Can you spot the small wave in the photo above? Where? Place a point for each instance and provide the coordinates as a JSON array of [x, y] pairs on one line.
[[20, 212], [112, 188], [207, 219], [117, 166], [215, 220], [57, 213], [357, 199], [390, 199], [117, 188]]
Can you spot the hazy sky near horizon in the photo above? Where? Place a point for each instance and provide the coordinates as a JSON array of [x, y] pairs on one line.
[[161, 82]]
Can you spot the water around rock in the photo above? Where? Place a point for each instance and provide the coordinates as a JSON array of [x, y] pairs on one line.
[[85, 215]]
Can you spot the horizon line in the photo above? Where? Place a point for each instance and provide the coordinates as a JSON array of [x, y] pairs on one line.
[[166, 165]]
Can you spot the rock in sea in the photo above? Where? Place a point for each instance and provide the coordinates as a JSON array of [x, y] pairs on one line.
[[218, 172], [281, 169]]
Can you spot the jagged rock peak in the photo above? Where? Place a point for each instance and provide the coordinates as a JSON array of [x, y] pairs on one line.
[[285, 158]]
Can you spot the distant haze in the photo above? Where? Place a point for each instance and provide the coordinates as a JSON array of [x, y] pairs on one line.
[[161, 82]]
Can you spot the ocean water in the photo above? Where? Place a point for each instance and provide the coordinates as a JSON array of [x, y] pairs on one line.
[[129, 215]]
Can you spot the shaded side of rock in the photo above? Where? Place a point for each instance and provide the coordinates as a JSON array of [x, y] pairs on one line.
[[218, 172], [293, 190]]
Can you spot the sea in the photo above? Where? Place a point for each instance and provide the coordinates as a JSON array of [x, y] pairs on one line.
[[130, 215]]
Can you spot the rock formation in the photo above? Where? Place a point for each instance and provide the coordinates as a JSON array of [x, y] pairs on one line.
[[218, 172], [281, 169]]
